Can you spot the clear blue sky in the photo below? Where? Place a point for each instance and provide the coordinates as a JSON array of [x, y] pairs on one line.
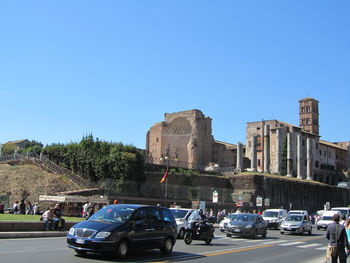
[[113, 68]]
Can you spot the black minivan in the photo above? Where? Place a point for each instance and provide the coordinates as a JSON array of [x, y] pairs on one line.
[[121, 228]]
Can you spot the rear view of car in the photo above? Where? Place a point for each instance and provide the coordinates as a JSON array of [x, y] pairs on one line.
[[181, 216], [247, 225], [119, 228]]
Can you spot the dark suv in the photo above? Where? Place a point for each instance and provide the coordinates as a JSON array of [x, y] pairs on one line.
[[118, 228]]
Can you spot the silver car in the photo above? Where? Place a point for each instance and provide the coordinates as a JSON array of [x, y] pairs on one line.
[[298, 224]]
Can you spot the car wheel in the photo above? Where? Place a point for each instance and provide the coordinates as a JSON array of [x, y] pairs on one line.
[[123, 249], [81, 253], [228, 235], [302, 231], [208, 241], [188, 238], [264, 235], [282, 233], [181, 233], [167, 247], [255, 234], [318, 228]]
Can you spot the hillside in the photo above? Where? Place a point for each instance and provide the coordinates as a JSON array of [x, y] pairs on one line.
[[29, 181]]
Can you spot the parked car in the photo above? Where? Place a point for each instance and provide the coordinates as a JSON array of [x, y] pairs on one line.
[[326, 219], [248, 225], [296, 224], [274, 217], [225, 221], [120, 228], [181, 216]]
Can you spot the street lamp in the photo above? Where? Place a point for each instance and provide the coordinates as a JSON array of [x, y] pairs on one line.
[[166, 159]]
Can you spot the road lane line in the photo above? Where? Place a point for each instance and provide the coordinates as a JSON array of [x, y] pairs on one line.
[[310, 245], [235, 250], [291, 244], [257, 240], [321, 248], [275, 242]]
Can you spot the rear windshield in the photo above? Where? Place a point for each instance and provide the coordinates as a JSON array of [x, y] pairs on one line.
[[270, 214], [113, 214], [244, 218], [294, 218], [329, 218], [179, 213]]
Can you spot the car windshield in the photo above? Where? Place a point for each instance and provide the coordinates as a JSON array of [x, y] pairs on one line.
[[270, 214], [244, 218], [342, 211], [179, 213], [113, 214], [327, 218], [295, 213], [294, 218], [232, 216]]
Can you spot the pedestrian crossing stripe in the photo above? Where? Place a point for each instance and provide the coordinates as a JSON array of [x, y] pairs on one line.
[[321, 248], [292, 244], [310, 245]]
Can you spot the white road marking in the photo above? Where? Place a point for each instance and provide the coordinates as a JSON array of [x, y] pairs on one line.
[[310, 245], [275, 242], [292, 244]]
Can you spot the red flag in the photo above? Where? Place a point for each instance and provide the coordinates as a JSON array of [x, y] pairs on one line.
[[164, 176]]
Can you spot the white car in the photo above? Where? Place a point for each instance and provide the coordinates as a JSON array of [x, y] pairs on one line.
[[298, 212], [181, 216], [225, 221], [326, 219]]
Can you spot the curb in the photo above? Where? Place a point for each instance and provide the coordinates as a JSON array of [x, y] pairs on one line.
[[4, 235]]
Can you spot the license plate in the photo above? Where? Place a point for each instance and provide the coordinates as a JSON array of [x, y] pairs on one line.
[[80, 241], [236, 230], [288, 228]]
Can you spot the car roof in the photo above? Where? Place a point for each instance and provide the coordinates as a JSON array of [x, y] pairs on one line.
[[135, 206], [180, 208]]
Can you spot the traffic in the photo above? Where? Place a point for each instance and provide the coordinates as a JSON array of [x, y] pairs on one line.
[[122, 229]]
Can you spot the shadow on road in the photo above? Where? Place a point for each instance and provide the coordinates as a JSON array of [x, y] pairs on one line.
[[143, 256]]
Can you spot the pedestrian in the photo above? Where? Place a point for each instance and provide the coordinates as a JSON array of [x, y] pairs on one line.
[[85, 209], [58, 221], [29, 208], [15, 207], [47, 217], [343, 220], [35, 209], [347, 229], [22, 207], [2, 208], [338, 241]]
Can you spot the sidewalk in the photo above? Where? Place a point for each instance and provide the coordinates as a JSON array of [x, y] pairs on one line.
[[32, 234]]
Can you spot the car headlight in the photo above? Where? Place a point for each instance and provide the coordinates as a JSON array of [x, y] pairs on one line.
[[102, 234], [248, 226], [71, 231]]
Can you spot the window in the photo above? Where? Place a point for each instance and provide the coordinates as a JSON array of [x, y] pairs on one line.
[[303, 143], [140, 216], [320, 152], [155, 216], [167, 215], [316, 146], [316, 164]]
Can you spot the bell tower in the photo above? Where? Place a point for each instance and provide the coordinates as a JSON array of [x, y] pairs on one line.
[[309, 115]]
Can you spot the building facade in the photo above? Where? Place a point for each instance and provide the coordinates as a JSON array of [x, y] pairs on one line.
[[281, 148], [185, 140]]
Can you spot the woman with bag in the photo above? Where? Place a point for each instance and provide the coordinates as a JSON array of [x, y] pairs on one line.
[[338, 241]]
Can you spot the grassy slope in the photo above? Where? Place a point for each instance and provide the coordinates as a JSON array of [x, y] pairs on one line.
[[29, 181]]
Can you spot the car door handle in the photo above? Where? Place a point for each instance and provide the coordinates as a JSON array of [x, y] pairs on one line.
[[150, 229]]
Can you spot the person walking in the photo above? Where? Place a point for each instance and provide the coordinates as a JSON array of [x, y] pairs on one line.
[[22, 207], [347, 229], [338, 241]]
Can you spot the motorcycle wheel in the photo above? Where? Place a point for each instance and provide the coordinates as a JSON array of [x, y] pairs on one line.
[[208, 241], [188, 238]]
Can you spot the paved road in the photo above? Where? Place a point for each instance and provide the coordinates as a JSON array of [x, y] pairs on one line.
[[275, 248]]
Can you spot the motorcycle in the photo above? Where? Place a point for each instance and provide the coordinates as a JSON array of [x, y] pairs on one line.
[[199, 231]]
